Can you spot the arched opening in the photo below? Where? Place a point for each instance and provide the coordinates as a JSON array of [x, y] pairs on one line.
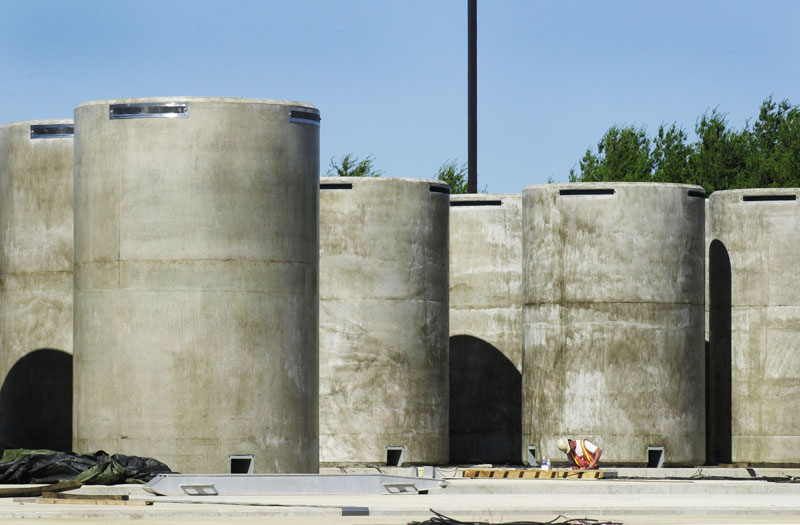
[[36, 402], [485, 403], [718, 357]]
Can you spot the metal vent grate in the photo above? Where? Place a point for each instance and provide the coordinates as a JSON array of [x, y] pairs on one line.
[[149, 110], [52, 131], [304, 116]]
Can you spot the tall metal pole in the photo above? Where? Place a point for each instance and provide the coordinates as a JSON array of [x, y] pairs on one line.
[[472, 104]]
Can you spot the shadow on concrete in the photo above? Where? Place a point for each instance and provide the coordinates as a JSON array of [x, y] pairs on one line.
[[718, 357], [485, 403], [36, 402]]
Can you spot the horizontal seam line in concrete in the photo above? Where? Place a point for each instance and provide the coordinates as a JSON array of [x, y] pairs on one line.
[[388, 299], [3, 274], [398, 433], [186, 290], [512, 306], [111, 261], [609, 302], [755, 306]]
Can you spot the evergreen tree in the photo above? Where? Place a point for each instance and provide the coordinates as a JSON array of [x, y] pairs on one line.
[[454, 175], [350, 166], [766, 154]]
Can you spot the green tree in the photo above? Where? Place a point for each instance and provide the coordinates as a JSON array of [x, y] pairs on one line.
[[455, 176], [720, 154], [766, 154], [670, 155], [774, 158], [350, 166], [623, 154]]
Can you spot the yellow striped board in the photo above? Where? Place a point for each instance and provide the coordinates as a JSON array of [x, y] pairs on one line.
[[530, 473]]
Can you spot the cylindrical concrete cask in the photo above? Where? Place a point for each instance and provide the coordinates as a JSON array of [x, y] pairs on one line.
[[613, 320], [383, 321], [196, 271], [485, 328], [755, 323], [36, 284]]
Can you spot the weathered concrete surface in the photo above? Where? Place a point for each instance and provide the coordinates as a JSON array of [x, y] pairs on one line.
[[755, 320], [383, 320], [486, 271], [35, 287], [613, 320], [485, 327], [196, 260]]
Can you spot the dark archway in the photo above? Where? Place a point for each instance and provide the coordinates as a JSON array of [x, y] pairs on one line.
[[485, 403], [36, 402], [718, 357]]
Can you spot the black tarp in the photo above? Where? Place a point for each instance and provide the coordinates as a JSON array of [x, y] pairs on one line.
[[100, 468]]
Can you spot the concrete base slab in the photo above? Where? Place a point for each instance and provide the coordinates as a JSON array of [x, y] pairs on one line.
[[641, 502], [306, 484]]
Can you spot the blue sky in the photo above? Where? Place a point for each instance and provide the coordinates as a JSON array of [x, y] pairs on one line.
[[389, 76]]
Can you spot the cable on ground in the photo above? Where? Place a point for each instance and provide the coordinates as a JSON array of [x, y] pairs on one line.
[[441, 519]]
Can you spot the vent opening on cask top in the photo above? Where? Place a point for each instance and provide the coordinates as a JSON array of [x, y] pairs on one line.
[[476, 203], [587, 191], [766, 198], [336, 186], [52, 131], [304, 116], [149, 110]]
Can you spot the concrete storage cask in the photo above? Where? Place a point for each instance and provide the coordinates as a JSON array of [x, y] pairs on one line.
[[383, 321], [485, 328], [613, 320], [196, 260], [36, 284], [755, 324]]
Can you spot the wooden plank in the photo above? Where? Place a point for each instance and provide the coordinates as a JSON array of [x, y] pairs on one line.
[[69, 501], [12, 492], [121, 497], [502, 473], [585, 474]]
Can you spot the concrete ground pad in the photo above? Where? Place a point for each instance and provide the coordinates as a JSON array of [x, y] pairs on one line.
[[639, 501]]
